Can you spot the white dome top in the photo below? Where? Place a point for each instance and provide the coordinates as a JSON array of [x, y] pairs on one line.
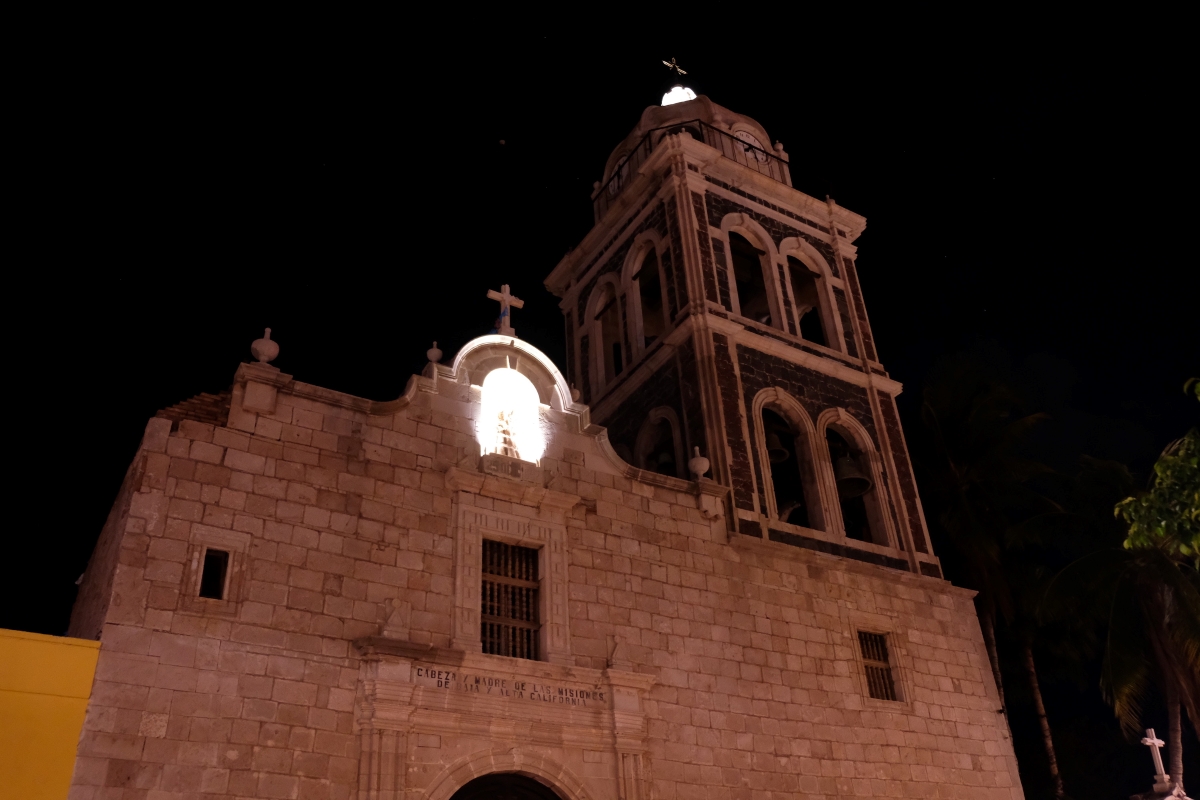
[[678, 94]]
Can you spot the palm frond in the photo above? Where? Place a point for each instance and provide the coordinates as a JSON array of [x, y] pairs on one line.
[[1125, 671]]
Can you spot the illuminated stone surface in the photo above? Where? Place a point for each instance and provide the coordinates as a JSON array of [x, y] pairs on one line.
[[691, 643]]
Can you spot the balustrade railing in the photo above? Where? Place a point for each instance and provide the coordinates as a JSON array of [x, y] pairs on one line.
[[733, 148]]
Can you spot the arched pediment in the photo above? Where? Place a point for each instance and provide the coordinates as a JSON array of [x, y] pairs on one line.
[[642, 244], [750, 228], [481, 355], [805, 253]]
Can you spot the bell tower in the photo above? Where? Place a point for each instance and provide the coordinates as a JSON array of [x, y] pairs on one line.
[[714, 305]]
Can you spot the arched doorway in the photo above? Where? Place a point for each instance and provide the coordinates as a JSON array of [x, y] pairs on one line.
[[505, 786]]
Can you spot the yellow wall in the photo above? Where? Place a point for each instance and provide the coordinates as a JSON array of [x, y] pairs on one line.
[[45, 682]]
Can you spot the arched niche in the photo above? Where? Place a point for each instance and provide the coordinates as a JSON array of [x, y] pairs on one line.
[[837, 423], [659, 445], [510, 421], [515, 382]]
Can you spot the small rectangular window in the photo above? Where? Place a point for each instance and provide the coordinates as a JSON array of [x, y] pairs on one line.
[[212, 577], [878, 667], [509, 622]]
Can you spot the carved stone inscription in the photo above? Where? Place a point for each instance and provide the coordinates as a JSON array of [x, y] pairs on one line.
[[536, 690]]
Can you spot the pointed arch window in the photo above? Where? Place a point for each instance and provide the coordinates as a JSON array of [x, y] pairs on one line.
[[796, 498], [750, 280], [807, 293], [650, 296]]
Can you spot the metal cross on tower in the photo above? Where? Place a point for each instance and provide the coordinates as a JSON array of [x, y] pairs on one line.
[[507, 301], [675, 67]]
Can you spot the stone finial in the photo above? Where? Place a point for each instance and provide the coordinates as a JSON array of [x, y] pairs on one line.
[[264, 349], [698, 464], [576, 394], [434, 354]]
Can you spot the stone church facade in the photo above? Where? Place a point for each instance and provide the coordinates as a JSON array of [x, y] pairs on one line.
[[693, 564]]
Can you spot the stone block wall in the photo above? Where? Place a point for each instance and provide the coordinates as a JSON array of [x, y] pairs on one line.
[[337, 514]]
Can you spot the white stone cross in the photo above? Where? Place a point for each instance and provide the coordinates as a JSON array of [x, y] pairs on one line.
[[1154, 743], [507, 300]]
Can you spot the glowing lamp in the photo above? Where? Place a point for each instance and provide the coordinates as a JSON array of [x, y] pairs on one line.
[[510, 420], [678, 94]]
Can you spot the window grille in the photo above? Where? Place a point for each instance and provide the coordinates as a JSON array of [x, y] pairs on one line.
[[878, 667], [509, 614]]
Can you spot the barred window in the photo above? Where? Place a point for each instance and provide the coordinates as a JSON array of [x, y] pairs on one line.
[[509, 617], [878, 667]]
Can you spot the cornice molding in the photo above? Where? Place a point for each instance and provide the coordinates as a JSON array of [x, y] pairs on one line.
[[498, 488], [823, 364]]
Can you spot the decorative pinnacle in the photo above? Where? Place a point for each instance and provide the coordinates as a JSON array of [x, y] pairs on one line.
[[698, 464], [434, 354], [264, 349]]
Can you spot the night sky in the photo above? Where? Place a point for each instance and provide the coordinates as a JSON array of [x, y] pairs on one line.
[[359, 190], [356, 198]]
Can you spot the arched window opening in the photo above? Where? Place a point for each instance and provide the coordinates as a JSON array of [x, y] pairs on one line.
[[654, 322], [808, 302], [851, 472], [656, 450], [510, 422], [748, 277], [797, 501], [609, 316]]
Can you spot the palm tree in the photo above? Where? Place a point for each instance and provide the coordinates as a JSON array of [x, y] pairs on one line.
[[1149, 588], [980, 485], [1164, 532]]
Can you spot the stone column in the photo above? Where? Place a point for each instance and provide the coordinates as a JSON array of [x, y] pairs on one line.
[[383, 722], [628, 692]]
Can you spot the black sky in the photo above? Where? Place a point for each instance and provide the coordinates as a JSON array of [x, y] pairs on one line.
[[1023, 182]]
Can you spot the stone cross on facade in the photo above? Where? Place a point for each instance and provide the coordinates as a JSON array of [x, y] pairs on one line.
[[1161, 781], [507, 302]]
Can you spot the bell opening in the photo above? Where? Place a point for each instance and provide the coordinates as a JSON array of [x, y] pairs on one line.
[[850, 480], [775, 449], [853, 486], [787, 463]]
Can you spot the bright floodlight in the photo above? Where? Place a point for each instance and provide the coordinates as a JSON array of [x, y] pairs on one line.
[[678, 94], [510, 420]]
